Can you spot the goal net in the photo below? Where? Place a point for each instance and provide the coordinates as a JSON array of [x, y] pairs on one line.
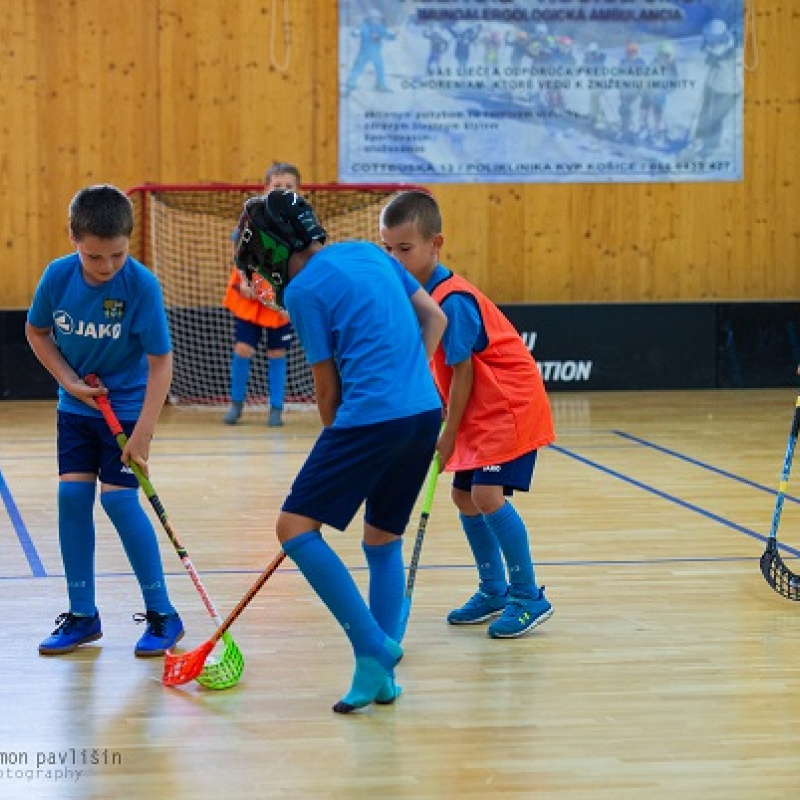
[[183, 233]]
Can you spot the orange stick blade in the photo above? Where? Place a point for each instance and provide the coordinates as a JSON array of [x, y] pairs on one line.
[[179, 669]]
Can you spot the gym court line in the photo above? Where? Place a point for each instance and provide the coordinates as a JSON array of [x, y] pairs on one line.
[[23, 537], [37, 567], [702, 464], [671, 498]]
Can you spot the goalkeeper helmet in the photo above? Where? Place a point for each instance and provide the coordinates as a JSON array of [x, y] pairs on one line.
[[271, 229]]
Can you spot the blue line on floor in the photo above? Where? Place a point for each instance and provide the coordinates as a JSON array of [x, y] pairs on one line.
[[671, 498], [35, 563], [606, 562], [703, 465]]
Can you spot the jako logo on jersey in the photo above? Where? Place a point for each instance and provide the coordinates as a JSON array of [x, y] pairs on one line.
[[493, 468], [63, 321], [90, 330]]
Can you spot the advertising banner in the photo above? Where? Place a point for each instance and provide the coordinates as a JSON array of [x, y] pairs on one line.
[[516, 91]]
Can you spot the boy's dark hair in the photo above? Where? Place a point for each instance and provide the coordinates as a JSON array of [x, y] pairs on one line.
[[416, 207], [102, 211], [282, 168]]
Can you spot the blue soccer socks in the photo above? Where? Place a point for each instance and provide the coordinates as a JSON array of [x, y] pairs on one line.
[[141, 546], [76, 537], [375, 653], [276, 378], [386, 584], [507, 525], [240, 374], [486, 552], [331, 580]]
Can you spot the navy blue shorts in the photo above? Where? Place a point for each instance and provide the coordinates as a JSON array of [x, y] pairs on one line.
[[384, 464], [85, 444], [513, 475], [250, 333]]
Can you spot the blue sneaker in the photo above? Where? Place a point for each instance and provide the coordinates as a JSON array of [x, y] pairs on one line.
[[275, 419], [163, 632], [520, 615], [70, 632], [479, 607]]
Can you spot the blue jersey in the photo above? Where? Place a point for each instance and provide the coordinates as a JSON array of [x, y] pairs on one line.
[[351, 303], [108, 329], [465, 332]]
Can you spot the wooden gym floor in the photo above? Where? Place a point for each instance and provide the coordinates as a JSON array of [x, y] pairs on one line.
[[669, 669]]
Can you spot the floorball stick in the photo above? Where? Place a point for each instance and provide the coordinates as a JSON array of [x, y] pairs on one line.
[[776, 573], [427, 502], [228, 669], [183, 668]]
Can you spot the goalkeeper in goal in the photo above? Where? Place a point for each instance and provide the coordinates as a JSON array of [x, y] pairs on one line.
[[252, 318]]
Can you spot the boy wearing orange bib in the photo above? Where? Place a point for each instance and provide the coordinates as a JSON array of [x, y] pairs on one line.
[[252, 319], [498, 416]]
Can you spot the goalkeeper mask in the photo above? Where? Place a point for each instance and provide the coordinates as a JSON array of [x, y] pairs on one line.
[[271, 229]]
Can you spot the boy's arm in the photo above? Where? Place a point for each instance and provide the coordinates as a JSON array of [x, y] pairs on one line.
[[328, 389], [44, 348], [159, 378], [460, 390], [431, 318]]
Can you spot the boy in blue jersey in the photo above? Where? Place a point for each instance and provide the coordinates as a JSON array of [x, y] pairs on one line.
[[99, 311], [367, 329]]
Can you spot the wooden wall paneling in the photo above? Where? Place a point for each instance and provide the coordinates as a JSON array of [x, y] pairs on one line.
[[670, 242], [545, 264], [219, 88], [125, 71], [58, 128], [179, 158], [274, 104], [467, 226], [97, 69], [767, 265], [294, 84], [598, 274], [324, 26], [503, 261], [588, 239], [261, 115], [692, 278], [17, 130]]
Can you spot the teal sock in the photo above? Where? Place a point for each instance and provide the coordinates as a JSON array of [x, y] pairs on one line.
[[372, 679], [141, 546], [512, 535], [486, 552], [375, 654], [76, 537], [276, 377], [240, 374]]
